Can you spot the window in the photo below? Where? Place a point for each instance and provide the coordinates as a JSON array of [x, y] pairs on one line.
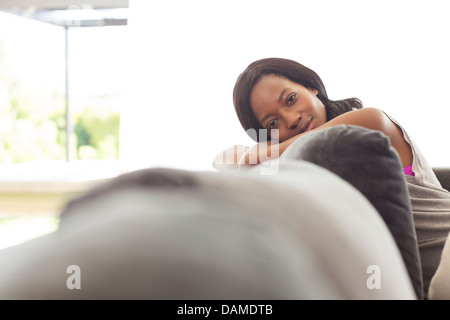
[[33, 113], [31, 90], [60, 92], [96, 64]]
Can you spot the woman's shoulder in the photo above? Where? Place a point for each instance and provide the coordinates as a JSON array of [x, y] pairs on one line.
[[377, 119], [368, 117], [370, 112]]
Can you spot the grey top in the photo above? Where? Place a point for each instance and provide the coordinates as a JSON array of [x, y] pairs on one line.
[[430, 204]]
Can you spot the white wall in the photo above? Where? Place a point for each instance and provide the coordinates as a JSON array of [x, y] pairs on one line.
[[186, 56]]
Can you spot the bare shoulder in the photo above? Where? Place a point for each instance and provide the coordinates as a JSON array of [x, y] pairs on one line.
[[376, 119], [370, 118], [370, 113]]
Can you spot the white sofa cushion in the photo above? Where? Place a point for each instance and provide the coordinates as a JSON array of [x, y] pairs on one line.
[[440, 283]]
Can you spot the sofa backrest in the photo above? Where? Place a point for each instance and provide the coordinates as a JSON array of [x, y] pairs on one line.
[[443, 175]]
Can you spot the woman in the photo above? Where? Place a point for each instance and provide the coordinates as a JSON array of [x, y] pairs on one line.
[[282, 94], [285, 95]]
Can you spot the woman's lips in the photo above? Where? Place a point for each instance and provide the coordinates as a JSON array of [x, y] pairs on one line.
[[306, 127], [309, 125]]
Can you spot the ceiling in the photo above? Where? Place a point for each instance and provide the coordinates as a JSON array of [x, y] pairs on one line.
[[70, 13], [62, 4]]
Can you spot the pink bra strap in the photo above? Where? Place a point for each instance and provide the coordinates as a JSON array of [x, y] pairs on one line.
[[408, 171]]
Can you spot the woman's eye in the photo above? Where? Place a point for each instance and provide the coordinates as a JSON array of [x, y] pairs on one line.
[[272, 124], [291, 98]]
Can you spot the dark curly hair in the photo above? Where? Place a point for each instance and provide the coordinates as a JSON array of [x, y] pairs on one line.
[[288, 69]]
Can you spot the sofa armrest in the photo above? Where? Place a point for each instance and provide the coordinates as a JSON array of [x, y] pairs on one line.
[[443, 175]]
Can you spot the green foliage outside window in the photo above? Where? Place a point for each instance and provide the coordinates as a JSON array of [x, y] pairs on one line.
[[32, 123], [97, 133]]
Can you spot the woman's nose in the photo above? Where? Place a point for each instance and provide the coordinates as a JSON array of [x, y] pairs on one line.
[[292, 119]]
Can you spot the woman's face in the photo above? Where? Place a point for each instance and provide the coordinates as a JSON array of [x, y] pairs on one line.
[[279, 103]]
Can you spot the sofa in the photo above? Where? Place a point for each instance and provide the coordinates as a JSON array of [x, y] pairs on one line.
[[317, 223]]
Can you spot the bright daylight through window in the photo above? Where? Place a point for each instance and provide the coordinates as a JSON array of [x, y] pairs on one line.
[[32, 95], [60, 106]]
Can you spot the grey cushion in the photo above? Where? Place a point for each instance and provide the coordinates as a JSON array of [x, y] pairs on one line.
[[172, 234], [443, 175], [366, 160]]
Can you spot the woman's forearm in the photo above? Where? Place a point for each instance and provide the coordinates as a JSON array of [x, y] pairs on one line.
[[369, 118]]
